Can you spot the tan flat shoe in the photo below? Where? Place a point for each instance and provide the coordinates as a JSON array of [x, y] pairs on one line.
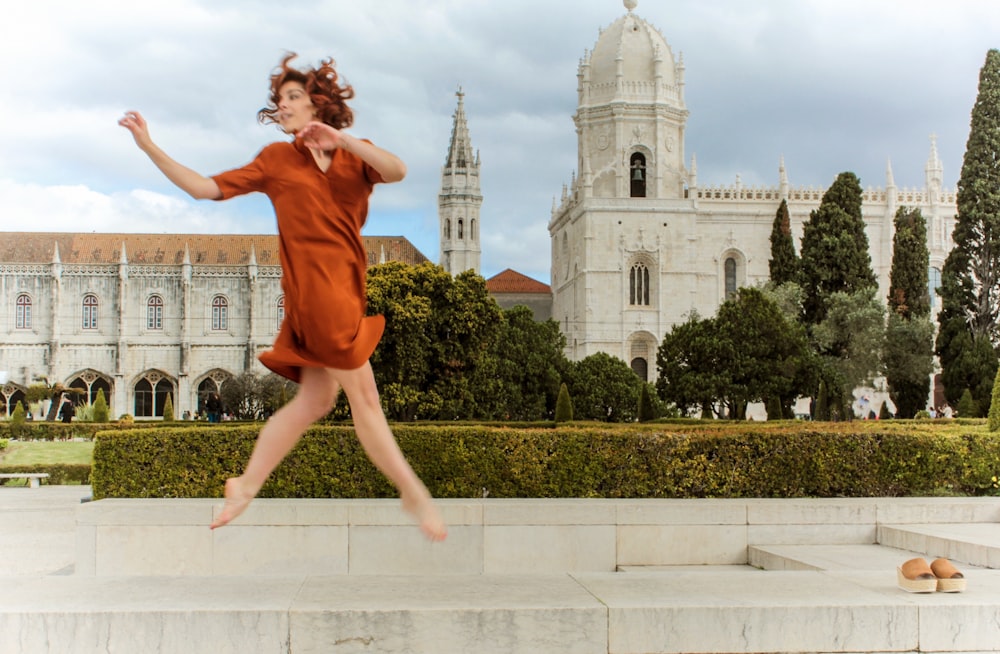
[[915, 576], [949, 579]]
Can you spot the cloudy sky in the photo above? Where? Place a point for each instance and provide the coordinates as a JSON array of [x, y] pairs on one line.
[[831, 85]]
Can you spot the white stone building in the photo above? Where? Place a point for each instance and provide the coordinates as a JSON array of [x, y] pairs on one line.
[[142, 316], [637, 243]]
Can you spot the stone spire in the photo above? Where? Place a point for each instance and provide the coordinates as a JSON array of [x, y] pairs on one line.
[[934, 173], [460, 199]]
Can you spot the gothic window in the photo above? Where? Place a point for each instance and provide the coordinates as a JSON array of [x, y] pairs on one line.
[[637, 175], [23, 312], [640, 367], [461, 229], [90, 311], [281, 310], [638, 285], [447, 228], [150, 398], [730, 277], [220, 313], [154, 312], [89, 383], [933, 284]]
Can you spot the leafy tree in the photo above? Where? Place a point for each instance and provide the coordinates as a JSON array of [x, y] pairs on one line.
[[604, 388], [251, 396], [689, 362], [784, 264], [439, 331], [564, 405], [835, 254], [822, 410], [909, 342], [528, 363], [764, 354], [968, 334], [101, 412], [909, 362], [850, 339]]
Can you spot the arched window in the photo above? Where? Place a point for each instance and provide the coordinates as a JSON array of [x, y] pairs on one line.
[[730, 267], [23, 312], [641, 368], [281, 311], [637, 175], [447, 228], [461, 229], [150, 397], [220, 313], [638, 285], [933, 284], [154, 312], [472, 229], [90, 311]]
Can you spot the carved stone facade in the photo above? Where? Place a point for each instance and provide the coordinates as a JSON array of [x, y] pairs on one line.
[[637, 244], [142, 316]]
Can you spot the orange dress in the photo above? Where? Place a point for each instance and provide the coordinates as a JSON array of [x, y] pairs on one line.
[[323, 258]]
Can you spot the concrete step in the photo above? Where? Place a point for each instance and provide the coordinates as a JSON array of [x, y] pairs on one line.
[[707, 609], [973, 543]]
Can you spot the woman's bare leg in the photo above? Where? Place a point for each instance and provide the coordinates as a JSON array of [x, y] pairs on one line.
[[316, 397], [378, 442]]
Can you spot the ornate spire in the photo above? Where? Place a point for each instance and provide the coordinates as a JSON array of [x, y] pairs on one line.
[[890, 182], [460, 148]]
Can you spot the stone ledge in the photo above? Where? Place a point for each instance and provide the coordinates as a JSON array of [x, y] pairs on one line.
[[492, 536]]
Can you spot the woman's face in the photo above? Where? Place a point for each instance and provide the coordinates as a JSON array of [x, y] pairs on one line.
[[295, 108]]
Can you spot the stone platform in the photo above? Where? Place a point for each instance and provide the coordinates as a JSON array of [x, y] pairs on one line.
[[545, 576]]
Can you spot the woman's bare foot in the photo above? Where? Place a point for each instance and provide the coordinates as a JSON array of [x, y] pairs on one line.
[[237, 500], [425, 511]]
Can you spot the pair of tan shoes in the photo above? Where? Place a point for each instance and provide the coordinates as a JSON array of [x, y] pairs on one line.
[[915, 576]]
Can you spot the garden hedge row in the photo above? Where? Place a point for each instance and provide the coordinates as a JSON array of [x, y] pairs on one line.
[[721, 459]]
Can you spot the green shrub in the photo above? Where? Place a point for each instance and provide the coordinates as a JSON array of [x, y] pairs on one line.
[[993, 418], [564, 405], [100, 407], [883, 412], [168, 409], [647, 411], [967, 406], [694, 459]]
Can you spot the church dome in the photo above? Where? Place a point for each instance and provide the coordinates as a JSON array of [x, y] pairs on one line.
[[638, 45]]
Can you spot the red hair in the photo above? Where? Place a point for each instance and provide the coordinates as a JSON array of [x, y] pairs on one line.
[[329, 98]]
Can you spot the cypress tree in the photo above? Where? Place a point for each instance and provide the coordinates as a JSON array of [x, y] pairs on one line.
[[168, 409], [784, 263], [967, 405], [564, 405], [835, 251], [909, 343], [993, 418], [971, 273], [646, 410]]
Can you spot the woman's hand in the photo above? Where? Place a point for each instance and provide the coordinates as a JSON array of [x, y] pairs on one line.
[[136, 124], [321, 136]]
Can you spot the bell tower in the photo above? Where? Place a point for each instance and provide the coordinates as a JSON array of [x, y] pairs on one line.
[[460, 199]]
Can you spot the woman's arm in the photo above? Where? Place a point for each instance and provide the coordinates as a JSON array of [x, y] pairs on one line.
[[194, 184], [322, 136]]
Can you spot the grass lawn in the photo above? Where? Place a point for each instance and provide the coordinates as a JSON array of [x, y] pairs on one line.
[[43, 452]]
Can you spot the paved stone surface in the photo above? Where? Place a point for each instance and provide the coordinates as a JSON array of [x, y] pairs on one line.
[[38, 529]]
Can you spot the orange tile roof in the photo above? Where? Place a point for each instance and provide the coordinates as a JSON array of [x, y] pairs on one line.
[[511, 281], [204, 249]]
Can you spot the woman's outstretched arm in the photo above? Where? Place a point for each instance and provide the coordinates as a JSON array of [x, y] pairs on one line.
[[323, 136], [195, 184]]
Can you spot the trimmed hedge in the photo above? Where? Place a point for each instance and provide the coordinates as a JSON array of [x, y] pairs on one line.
[[43, 430], [718, 459]]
